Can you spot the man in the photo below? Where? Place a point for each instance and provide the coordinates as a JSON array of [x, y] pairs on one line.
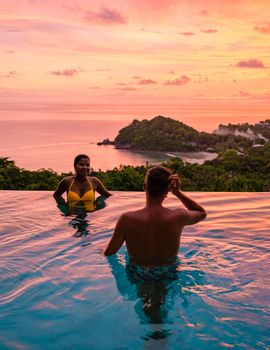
[[152, 234]]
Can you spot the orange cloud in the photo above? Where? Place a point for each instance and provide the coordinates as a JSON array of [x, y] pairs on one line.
[[208, 31], [251, 63], [146, 82], [65, 72], [203, 13], [127, 88], [10, 74], [187, 33], [105, 16], [244, 94], [264, 30], [103, 70], [178, 81]]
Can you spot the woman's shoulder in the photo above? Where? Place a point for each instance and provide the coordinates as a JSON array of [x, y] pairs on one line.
[[93, 179], [67, 180]]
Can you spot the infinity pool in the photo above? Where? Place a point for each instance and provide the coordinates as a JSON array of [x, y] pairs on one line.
[[58, 291]]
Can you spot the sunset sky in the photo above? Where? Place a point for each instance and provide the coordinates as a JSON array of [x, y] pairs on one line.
[[106, 56]]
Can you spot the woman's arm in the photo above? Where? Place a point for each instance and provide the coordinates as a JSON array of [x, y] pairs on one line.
[[62, 187], [100, 188]]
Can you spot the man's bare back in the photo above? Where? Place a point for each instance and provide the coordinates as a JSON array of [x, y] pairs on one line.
[[152, 234], [158, 228]]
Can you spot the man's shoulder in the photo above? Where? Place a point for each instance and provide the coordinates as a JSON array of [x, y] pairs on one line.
[[178, 214], [133, 214]]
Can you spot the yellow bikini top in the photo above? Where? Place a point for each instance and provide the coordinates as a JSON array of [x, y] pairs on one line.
[[86, 201]]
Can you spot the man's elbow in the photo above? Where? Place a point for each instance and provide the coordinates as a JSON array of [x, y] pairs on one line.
[[107, 252], [203, 215]]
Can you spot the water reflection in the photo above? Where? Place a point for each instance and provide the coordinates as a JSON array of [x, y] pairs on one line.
[[155, 292], [79, 212]]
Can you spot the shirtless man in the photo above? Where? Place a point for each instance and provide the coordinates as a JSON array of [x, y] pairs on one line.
[[152, 234]]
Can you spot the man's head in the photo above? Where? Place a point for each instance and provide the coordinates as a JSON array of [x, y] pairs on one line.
[[157, 181]]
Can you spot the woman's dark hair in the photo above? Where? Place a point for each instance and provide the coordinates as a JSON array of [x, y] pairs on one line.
[[79, 157], [157, 181]]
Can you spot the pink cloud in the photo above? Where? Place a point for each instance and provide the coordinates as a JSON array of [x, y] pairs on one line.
[[264, 30], [201, 79], [178, 81], [105, 16], [146, 82], [10, 51], [127, 88], [65, 72], [251, 63], [10, 74], [171, 72], [136, 77], [121, 84], [208, 31], [187, 33], [244, 94], [103, 70], [203, 13]]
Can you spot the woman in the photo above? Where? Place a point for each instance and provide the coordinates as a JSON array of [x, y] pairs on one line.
[[81, 187]]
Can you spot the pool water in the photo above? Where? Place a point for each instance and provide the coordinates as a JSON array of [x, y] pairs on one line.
[[58, 291]]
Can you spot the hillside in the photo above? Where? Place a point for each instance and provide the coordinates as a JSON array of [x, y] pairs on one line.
[[159, 133], [259, 132], [166, 134]]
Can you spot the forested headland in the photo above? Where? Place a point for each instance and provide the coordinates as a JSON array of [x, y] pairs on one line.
[[166, 134]]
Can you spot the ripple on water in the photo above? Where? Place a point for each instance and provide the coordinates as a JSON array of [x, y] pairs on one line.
[[59, 291]]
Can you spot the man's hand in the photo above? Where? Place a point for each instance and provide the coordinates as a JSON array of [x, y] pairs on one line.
[[175, 184]]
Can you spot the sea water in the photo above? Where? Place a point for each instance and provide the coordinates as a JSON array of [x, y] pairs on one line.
[[53, 144], [58, 291]]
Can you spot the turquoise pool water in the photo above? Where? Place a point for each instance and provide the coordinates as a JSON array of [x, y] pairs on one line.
[[58, 291]]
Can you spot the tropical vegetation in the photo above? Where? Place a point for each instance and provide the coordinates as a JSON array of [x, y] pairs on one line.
[[166, 134], [230, 171]]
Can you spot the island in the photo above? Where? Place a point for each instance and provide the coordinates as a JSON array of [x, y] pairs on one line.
[[105, 142], [166, 134], [242, 162]]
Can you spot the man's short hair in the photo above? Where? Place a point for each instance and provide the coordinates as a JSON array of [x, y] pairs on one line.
[[157, 181]]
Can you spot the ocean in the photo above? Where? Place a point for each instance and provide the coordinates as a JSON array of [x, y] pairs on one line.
[[53, 144]]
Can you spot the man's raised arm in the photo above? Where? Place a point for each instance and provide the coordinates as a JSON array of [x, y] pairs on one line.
[[195, 212]]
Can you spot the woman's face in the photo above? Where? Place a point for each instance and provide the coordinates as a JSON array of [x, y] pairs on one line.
[[83, 166]]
